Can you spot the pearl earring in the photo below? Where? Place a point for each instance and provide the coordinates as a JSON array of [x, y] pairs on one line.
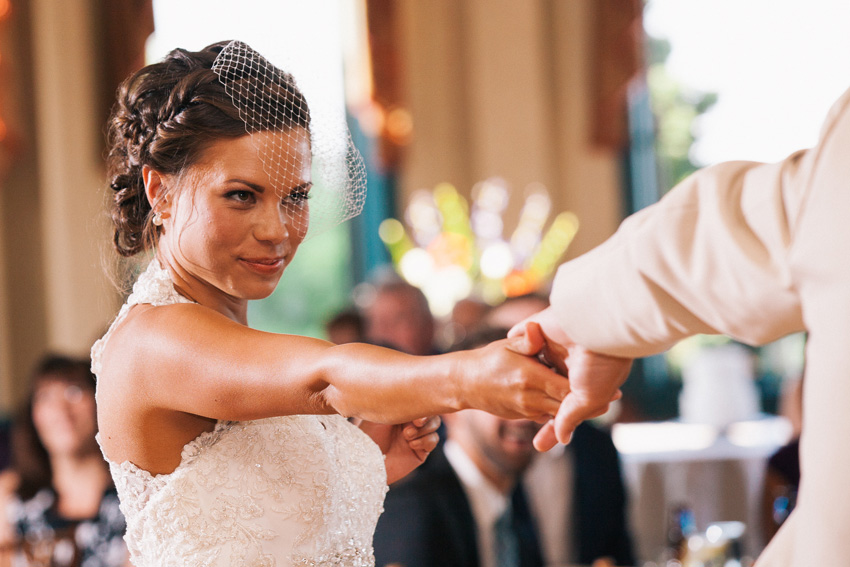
[[157, 219]]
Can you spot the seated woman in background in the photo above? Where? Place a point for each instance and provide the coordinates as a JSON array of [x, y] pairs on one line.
[[62, 508], [782, 474]]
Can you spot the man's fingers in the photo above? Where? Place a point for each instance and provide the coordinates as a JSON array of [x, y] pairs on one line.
[[561, 428], [569, 416], [529, 343], [545, 438], [550, 407], [599, 412]]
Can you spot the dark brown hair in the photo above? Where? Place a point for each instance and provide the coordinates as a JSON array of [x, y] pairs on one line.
[[166, 115], [29, 456]]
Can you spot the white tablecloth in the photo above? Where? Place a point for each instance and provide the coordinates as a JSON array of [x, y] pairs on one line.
[[718, 475]]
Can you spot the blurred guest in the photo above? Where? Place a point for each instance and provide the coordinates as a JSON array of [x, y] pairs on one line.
[[347, 326], [515, 309], [485, 498], [468, 316], [782, 475], [399, 317], [63, 508], [781, 483]]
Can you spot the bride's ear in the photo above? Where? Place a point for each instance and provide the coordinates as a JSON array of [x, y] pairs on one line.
[[155, 190]]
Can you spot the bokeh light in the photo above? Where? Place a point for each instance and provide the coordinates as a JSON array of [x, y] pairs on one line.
[[459, 248]]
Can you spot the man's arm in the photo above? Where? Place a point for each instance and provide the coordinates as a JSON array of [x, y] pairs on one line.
[[711, 257]]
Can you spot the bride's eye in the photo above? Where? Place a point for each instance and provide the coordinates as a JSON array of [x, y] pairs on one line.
[[297, 196], [241, 196]]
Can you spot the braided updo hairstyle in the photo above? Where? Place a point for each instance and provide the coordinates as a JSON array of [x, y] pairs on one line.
[[166, 115]]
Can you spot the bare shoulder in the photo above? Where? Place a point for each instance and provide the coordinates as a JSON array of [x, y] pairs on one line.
[[168, 372], [189, 358], [149, 332], [134, 426], [142, 352]]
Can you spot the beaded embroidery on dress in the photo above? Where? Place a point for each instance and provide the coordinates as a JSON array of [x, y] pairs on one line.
[[300, 490]]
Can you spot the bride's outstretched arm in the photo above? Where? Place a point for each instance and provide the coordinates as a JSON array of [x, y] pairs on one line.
[[188, 358]]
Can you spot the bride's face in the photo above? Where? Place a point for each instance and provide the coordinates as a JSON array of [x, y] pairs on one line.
[[230, 226]]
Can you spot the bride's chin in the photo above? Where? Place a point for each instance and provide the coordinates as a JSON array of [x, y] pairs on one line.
[[252, 289], [257, 294]]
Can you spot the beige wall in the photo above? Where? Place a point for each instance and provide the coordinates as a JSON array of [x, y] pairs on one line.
[[70, 144], [500, 88], [55, 295], [21, 299]]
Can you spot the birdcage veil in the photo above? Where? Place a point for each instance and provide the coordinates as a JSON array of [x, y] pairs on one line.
[[269, 100]]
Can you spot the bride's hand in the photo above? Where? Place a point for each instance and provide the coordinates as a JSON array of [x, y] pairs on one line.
[[405, 446], [506, 379]]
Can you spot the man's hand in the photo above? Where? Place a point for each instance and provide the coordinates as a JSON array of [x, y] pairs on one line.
[[595, 379]]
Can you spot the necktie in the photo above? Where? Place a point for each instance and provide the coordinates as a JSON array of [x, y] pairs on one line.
[[514, 534], [505, 540]]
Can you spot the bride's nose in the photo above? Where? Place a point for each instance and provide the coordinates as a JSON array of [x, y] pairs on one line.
[[272, 226]]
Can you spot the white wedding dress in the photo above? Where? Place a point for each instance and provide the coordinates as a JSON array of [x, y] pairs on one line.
[[284, 491]]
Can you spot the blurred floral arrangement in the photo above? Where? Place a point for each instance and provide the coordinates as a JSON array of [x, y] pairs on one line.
[[452, 249]]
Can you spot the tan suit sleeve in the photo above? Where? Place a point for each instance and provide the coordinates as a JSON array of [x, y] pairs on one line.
[[711, 257], [745, 249]]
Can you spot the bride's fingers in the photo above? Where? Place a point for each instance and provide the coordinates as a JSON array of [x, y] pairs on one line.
[[519, 329], [422, 446], [422, 426], [557, 389], [548, 407]]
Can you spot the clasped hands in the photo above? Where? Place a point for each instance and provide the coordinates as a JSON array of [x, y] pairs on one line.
[[594, 378], [594, 382]]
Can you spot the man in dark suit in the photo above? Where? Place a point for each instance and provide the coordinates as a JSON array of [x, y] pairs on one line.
[[434, 517]]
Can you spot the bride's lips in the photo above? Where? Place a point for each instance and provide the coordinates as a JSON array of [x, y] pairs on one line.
[[265, 266]]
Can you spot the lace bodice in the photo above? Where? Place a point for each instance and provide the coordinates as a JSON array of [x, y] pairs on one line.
[[285, 491]]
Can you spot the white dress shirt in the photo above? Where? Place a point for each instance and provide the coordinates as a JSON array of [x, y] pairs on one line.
[[488, 503], [548, 483]]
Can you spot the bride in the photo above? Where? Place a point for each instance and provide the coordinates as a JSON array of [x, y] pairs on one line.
[[230, 446]]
